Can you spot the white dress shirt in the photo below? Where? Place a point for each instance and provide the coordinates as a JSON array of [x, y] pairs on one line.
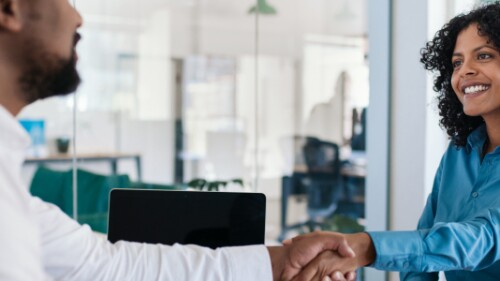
[[39, 242]]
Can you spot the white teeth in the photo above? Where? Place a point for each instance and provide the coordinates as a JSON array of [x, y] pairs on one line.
[[475, 89]]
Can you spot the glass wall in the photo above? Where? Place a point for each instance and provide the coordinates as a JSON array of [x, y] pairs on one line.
[[312, 94], [219, 90], [271, 93]]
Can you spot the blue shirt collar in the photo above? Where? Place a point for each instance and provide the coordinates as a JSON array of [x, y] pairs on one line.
[[476, 139]]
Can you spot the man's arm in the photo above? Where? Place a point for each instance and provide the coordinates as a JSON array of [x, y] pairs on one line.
[[73, 252], [20, 252]]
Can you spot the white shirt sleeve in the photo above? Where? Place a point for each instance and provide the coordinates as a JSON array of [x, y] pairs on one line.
[[20, 253], [74, 252]]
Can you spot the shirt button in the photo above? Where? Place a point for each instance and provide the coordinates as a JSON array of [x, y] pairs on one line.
[[475, 194], [406, 264]]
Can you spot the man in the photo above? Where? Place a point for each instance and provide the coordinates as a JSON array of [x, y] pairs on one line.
[[38, 241]]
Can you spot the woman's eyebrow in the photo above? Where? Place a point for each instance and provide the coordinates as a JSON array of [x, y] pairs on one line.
[[484, 46], [459, 54]]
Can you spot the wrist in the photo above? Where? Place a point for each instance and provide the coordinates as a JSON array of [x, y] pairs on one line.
[[363, 246], [276, 255]]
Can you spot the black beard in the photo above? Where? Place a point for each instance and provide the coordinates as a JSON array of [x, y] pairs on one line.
[[46, 75]]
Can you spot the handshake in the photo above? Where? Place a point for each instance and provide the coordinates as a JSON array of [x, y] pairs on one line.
[[321, 256]]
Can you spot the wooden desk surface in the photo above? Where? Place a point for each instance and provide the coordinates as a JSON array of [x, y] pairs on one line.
[[354, 171]]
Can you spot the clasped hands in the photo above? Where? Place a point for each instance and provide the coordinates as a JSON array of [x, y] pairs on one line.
[[321, 256]]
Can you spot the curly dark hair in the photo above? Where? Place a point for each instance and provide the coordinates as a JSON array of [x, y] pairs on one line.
[[437, 56]]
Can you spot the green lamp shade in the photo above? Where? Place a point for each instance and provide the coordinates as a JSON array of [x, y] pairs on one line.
[[262, 7]]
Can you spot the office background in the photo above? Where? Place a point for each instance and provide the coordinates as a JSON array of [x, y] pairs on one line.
[[220, 89]]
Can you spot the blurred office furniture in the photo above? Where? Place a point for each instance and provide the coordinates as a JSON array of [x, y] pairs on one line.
[[346, 178], [111, 158], [322, 182], [56, 187], [353, 173], [358, 141]]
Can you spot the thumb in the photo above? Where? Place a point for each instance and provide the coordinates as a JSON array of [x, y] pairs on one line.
[[345, 250]]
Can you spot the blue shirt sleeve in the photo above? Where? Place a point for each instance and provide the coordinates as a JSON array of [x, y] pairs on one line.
[[468, 245], [459, 230]]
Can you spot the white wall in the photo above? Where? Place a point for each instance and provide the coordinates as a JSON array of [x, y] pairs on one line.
[[408, 121]]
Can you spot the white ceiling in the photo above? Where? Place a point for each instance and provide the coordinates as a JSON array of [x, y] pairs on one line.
[[340, 17]]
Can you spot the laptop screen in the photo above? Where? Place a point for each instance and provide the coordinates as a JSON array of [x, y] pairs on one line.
[[211, 219]]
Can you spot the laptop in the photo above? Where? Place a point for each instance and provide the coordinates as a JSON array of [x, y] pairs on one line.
[[211, 219]]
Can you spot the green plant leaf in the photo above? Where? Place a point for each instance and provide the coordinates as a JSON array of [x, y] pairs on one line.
[[213, 186], [197, 184], [238, 181], [342, 223]]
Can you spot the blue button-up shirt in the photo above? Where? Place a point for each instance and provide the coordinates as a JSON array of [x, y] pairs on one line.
[[459, 231]]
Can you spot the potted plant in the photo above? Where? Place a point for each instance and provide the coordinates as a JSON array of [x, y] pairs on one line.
[[202, 184]]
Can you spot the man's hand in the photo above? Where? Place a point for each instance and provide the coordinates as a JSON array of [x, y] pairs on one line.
[[329, 265], [289, 260]]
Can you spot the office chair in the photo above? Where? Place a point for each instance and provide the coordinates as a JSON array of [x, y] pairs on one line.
[[322, 181]]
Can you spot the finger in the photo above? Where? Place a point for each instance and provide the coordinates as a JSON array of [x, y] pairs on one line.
[[351, 276], [327, 278], [318, 277], [287, 242], [309, 271], [338, 276]]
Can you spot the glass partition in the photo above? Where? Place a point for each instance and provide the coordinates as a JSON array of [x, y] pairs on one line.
[[219, 90], [216, 90], [312, 97]]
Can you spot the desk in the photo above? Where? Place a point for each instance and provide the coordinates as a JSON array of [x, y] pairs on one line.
[[112, 158], [347, 170]]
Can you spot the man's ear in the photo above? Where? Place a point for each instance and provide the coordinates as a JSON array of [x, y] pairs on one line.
[[10, 17]]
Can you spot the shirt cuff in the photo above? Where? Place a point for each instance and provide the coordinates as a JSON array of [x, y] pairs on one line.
[[397, 250], [249, 263]]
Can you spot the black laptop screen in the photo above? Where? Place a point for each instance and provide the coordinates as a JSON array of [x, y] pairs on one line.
[[212, 219]]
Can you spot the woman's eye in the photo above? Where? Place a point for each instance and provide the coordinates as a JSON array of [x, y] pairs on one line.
[[483, 56], [456, 63]]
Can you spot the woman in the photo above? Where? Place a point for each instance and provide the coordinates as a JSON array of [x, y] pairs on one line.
[[459, 230]]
